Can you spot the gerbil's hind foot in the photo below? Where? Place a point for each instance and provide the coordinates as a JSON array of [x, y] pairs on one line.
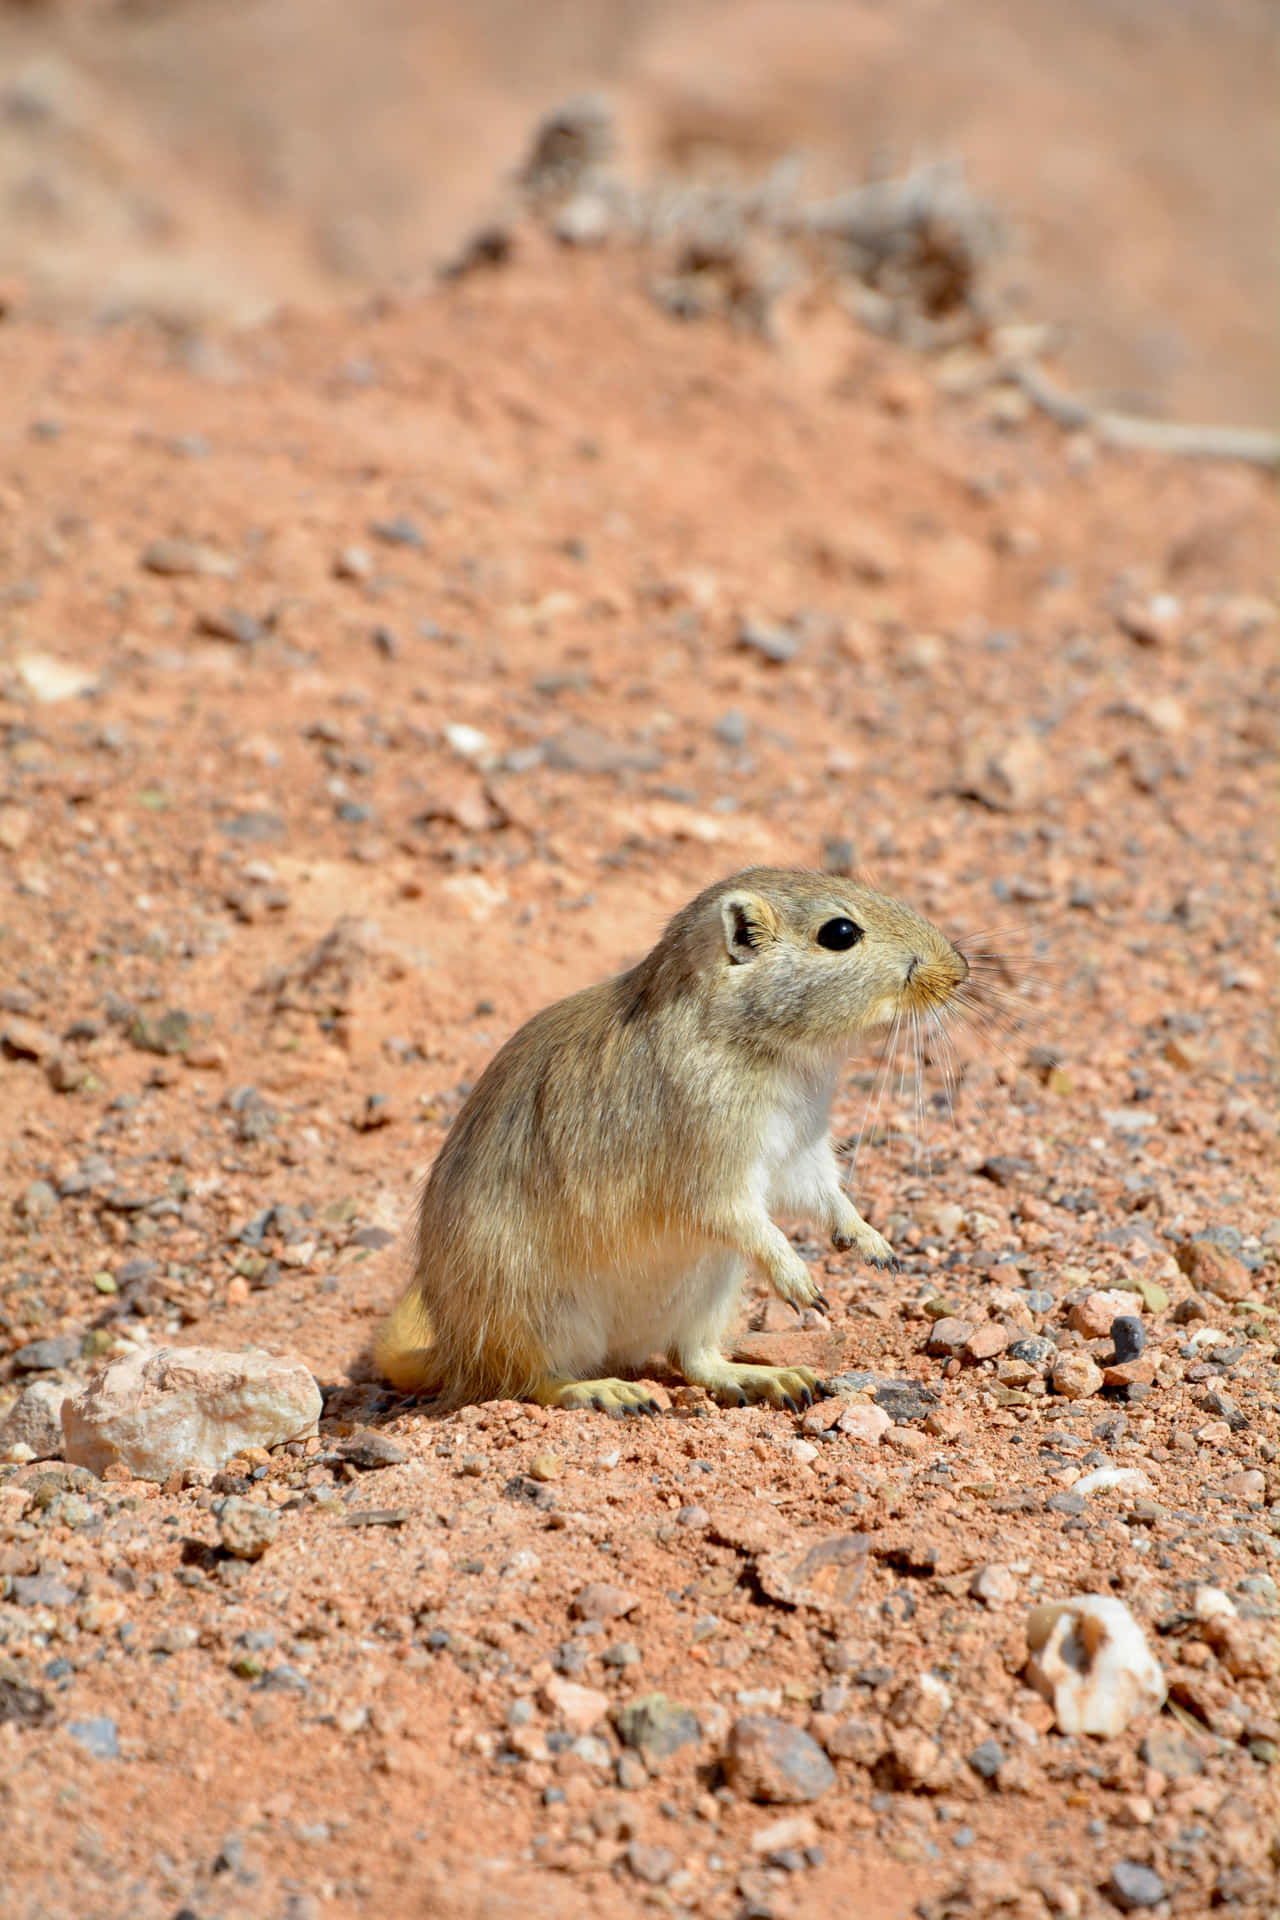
[[735, 1384], [620, 1399]]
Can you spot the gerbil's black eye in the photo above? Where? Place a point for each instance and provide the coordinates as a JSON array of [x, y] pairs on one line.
[[839, 935]]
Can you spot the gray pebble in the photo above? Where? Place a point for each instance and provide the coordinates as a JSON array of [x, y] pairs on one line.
[[367, 1448], [38, 1201], [1065, 1502], [1127, 1337], [257, 1639], [731, 728], [987, 1759], [1133, 1886], [47, 1356], [285, 1679], [99, 1736], [775, 644], [400, 532], [1035, 1348]]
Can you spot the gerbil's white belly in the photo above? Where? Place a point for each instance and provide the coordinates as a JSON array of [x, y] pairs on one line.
[[628, 1311], [793, 1167]]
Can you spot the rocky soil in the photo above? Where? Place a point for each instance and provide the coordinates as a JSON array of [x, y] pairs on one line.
[[371, 682]]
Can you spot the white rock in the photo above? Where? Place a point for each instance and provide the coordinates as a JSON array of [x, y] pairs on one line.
[[994, 1585], [35, 1421], [467, 741], [49, 680], [1205, 1337], [179, 1408], [802, 1451], [581, 1708], [1211, 1603], [862, 1420], [1127, 1479], [584, 221], [1090, 1661], [798, 1830]]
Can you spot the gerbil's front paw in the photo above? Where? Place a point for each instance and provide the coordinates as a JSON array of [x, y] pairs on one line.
[[797, 1286], [871, 1245]]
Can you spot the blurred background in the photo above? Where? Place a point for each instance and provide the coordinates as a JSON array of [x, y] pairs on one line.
[[204, 161]]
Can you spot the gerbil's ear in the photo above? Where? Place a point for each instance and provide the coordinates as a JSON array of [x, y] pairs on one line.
[[749, 925]]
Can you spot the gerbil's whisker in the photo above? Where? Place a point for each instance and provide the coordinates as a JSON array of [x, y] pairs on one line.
[[922, 1131], [987, 1030], [947, 1060], [870, 1114]]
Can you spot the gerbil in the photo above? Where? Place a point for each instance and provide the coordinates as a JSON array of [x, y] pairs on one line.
[[611, 1177]]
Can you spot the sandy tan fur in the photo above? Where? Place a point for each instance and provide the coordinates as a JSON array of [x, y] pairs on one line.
[[609, 1180]]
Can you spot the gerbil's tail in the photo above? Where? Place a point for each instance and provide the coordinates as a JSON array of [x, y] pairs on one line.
[[402, 1347]]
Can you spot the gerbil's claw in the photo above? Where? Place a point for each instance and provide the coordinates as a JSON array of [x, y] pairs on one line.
[[789, 1403], [740, 1399], [823, 1391], [806, 1398], [820, 1300]]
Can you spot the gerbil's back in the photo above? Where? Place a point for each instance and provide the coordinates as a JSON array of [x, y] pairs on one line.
[[568, 1123]]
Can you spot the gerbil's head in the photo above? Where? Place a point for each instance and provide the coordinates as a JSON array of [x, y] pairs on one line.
[[806, 961]]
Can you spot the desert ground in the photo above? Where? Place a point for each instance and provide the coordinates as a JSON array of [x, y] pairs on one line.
[[378, 672]]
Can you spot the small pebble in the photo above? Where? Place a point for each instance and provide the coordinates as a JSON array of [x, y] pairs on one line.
[[1127, 1338], [653, 1865], [245, 1528], [994, 1585], [987, 1759], [1074, 1375], [771, 1760], [366, 1448], [1035, 1348], [98, 1735], [1133, 1886]]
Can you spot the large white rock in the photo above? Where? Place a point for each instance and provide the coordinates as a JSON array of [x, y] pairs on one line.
[[1090, 1661], [179, 1408], [35, 1421]]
